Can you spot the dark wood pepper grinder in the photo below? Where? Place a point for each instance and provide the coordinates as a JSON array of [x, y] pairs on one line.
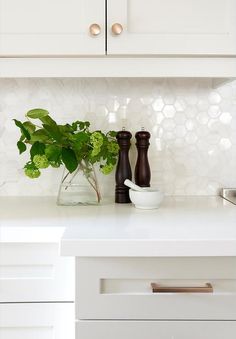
[[123, 169], [142, 173]]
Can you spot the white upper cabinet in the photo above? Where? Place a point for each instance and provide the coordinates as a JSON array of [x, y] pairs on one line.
[[52, 28], [172, 27], [118, 38]]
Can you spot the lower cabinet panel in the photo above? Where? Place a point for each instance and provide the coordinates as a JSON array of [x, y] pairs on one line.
[[37, 321], [155, 329], [120, 288], [34, 272]]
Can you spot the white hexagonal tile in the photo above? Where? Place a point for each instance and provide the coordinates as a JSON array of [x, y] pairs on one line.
[[202, 104], [213, 139], [191, 138], [191, 112], [191, 99], [168, 135], [146, 99], [168, 124], [203, 118], [158, 104], [214, 98], [169, 99], [225, 143], [169, 111], [180, 131], [190, 124], [159, 117], [226, 118], [214, 111], [202, 131], [193, 127], [180, 118]]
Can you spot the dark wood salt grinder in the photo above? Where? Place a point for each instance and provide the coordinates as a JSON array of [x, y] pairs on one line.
[[142, 172], [123, 169]]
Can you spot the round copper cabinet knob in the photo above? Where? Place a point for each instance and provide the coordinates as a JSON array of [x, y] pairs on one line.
[[117, 29], [95, 29]]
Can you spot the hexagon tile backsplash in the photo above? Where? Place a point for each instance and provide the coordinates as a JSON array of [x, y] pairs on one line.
[[193, 128]]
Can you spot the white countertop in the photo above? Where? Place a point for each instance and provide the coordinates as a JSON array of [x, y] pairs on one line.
[[183, 226], [34, 219]]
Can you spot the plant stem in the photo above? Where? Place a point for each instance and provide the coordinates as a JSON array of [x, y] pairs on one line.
[[92, 180], [96, 184], [75, 173]]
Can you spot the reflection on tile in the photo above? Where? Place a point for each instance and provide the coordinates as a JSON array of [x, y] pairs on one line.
[[226, 118], [193, 127]]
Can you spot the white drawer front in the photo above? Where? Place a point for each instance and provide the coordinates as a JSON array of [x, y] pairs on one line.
[[156, 329], [120, 288], [35, 272], [37, 321]]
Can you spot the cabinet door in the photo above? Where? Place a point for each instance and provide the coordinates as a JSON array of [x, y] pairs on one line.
[[37, 321], [173, 27], [35, 272], [51, 28]]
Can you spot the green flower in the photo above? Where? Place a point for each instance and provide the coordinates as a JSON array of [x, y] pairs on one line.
[[54, 164], [32, 173], [95, 151], [107, 169], [113, 147], [41, 161], [96, 139]]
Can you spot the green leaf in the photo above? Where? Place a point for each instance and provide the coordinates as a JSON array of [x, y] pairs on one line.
[[37, 113], [22, 138], [74, 126], [53, 153], [53, 131], [21, 147], [29, 126], [47, 120], [82, 137], [64, 129], [69, 159], [24, 131], [83, 125], [37, 149], [40, 135]]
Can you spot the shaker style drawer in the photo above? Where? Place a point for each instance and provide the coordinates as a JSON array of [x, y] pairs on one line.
[[35, 272], [156, 288], [37, 321], [156, 329]]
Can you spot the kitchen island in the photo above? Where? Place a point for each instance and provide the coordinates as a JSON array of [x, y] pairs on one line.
[[169, 272], [131, 269]]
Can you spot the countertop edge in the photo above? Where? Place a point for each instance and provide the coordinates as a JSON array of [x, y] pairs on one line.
[[150, 248]]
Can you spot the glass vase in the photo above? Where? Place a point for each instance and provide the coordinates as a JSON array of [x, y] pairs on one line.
[[80, 187]]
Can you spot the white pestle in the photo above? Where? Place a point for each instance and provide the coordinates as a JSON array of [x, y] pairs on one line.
[[133, 186]]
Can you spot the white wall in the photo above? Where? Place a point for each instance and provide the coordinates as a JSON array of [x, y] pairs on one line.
[[193, 127]]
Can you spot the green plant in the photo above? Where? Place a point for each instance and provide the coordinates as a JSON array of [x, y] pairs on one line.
[[73, 145]]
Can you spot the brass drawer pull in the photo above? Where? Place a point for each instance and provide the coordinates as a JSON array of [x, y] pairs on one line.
[[156, 288]]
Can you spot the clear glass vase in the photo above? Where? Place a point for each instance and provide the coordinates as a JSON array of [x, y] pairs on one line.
[[80, 187]]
